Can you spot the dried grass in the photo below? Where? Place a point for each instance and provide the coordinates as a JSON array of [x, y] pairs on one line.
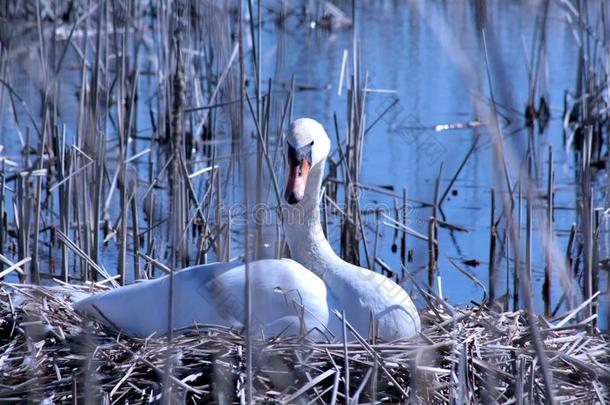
[[49, 351]]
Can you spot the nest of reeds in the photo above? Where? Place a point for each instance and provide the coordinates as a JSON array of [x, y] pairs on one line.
[[49, 352]]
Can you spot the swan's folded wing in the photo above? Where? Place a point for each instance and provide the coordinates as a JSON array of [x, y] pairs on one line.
[[142, 309], [285, 297], [138, 309]]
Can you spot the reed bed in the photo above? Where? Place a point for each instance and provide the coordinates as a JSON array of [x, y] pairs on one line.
[[49, 352]]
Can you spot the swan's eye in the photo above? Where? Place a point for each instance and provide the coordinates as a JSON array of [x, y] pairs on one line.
[[297, 155]]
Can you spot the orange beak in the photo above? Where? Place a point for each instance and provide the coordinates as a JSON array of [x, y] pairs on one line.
[[297, 179]]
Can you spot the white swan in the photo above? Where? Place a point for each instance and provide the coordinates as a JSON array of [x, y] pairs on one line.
[[287, 297]]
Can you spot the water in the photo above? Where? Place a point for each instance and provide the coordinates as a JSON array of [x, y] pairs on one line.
[[403, 55]]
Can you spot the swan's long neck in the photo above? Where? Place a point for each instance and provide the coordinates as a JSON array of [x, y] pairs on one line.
[[303, 229]]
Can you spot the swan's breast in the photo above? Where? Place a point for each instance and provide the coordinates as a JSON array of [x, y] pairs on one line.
[[361, 292]]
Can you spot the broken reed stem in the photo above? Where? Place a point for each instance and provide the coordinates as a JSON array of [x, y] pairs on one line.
[[528, 232], [377, 230], [37, 199], [493, 235], [433, 231], [22, 215], [526, 290], [403, 238], [517, 260], [3, 223], [177, 186], [65, 167], [346, 379], [135, 237], [587, 221], [547, 286], [123, 222], [431, 251]]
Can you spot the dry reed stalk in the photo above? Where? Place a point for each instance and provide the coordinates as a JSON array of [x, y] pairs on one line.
[[3, 229], [432, 242], [403, 238], [548, 271], [493, 235], [517, 241]]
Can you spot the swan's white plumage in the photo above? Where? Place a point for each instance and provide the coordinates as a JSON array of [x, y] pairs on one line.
[[287, 296], [214, 294]]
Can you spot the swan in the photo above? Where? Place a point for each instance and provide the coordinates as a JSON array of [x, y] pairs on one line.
[[288, 296]]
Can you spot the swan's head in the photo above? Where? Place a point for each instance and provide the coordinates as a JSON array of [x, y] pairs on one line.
[[306, 146]]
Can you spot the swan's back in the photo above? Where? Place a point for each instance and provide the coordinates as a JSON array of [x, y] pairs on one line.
[[214, 294]]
